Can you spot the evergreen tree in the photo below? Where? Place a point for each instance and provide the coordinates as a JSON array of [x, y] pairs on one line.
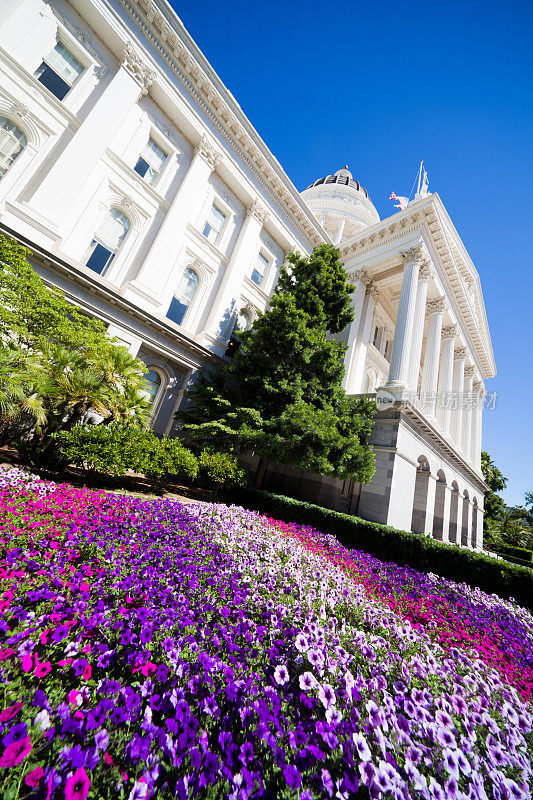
[[281, 396]]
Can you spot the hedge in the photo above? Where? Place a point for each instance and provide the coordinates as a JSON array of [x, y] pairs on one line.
[[401, 547], [516, 552]]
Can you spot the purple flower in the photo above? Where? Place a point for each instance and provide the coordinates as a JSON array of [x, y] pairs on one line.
[[307, 681], [77, 786], [361, 744], [281, 674], [326, 695], [101, 739], [292, 776]]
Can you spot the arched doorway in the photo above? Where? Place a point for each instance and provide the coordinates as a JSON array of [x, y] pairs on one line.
[[454, 508], [418, 519], [474, 522], [464, 522], [440, 499]]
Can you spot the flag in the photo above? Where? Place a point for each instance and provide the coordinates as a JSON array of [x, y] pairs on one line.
[[402, 201]]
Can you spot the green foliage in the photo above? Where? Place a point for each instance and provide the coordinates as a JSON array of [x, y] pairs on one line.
[[517, 552], [59, 363], [281, 396], [318, 284], [221, 469], [496, 482], [114, 449], [401, 547]]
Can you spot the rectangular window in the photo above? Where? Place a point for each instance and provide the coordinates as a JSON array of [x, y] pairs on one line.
[[375, 340], [150, 162], [259, 271], [100, 257], [58, 71], [214, 224], [386, 352], [176, 310]]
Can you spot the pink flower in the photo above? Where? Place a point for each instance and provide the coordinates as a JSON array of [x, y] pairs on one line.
[[6, 653], [73, 697], [43, 669], [148, 669], [9, 713], [34, 777], [87, 672], [84, 587], [77, 786], [27, 662], [15, 752]]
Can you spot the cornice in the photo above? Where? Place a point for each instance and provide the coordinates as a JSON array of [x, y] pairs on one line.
[[163, 28]]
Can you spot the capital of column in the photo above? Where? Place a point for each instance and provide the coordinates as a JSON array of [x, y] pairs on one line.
[[480, 387], [459, 354], [373, 290], [437, 306], [256, 210], [469, 372], [415, 253], [359, 275], [136, 67], [208, 152], [425, 271], [450, 332]]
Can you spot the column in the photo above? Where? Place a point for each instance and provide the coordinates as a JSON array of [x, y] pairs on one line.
[[354, 377], [446, 378], [466, 405], [340, 231], [222, 313], [456, 427], [477, 411], [430, 371], [430, 505], [156, 275], [401, 346], [446, 514], [360, 280], [74, 166], [418, 326]]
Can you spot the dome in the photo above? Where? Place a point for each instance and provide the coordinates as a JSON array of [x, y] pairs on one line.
[[343, 177], [341, 205]]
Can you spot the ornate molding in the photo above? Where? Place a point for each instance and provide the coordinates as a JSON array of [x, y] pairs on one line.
[[256, 210], [459, 354], [415, 253], [373, 290], [208, 152], [437, 306], [135, 66], [426, 271], [358, 275], [479, 386], [19, 110], [469, 371], [450, 332]]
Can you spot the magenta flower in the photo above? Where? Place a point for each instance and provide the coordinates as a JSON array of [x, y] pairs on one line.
[[43, 669], [34, 777], [9, 713], [77, 786], [15, 752], [27, 662]]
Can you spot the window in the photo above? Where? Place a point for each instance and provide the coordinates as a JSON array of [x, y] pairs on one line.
[[214, 224], [259, 271], [386, 350], [58, 71], [154, 384], [242, 322], [107, 240], [12, 143], [184, 296], [150, 162], [377, 337]]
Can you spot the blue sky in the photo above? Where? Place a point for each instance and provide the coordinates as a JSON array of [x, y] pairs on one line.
[[380, 86]]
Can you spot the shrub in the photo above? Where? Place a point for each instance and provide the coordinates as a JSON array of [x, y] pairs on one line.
[[402, 547], [114, 449], [516, 552], [221, 469]]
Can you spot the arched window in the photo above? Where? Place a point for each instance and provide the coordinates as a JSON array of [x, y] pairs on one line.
[[154, 384], [12, 143], [183, 296], [107, 240]]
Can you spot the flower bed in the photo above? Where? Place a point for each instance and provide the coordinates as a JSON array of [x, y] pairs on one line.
[[159, 650]]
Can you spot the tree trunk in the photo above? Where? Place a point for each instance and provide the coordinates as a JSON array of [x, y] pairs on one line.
[[260, 473]]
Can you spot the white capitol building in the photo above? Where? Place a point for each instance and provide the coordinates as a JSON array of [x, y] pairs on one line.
[[144, 192]]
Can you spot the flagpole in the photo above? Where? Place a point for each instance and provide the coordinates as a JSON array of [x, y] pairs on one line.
[[419, 177]]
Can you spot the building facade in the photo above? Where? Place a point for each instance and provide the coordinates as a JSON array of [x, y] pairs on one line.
[[145, 194]]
